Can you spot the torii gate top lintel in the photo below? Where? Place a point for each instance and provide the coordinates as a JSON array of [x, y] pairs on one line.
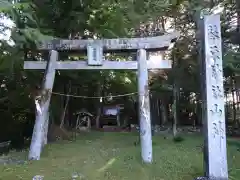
[[124, 44], [96, 48]]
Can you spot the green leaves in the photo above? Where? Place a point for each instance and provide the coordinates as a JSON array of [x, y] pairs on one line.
[[231, 60], [5, 5]]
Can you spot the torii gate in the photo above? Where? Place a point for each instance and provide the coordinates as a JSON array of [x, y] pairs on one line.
[[95, 50]]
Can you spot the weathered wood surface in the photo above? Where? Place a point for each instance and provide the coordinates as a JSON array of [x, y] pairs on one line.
[[45, 134], [154, 43], [37, 142], [215, 150], [70, 65], [144, 108]]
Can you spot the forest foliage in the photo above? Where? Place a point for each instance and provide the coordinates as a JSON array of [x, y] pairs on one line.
[[39, 20]]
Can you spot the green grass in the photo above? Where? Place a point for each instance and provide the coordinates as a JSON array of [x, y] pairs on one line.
[[103, 156]]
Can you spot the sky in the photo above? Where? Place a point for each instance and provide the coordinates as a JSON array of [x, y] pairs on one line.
[[6, 34]]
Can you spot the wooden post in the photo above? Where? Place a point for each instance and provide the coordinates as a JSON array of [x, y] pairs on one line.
[[38, 131], [144, 108], [215, 150]]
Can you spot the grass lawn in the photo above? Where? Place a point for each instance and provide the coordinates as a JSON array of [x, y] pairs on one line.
[[102, 156]]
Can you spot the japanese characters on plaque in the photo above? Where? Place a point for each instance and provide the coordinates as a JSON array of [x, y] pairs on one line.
[[95, 55], [215, 92]]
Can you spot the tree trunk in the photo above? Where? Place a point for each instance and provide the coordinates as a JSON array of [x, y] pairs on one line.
[[118, 120], [238, 32], [175, 98], [174, 110], [158, 112], [238, 17], [163, 112], [194, 116], [237, 97], [198, 110], [66, 105], [99, 105], [236, 92], [234, 111]]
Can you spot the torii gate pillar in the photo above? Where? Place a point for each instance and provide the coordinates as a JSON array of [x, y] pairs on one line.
[[144, 107]]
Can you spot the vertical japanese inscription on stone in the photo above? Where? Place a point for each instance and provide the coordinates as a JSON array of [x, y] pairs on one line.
[[215, 122]]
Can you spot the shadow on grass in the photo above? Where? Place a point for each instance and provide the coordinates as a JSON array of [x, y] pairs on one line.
[[197, 172], [234, 143]]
